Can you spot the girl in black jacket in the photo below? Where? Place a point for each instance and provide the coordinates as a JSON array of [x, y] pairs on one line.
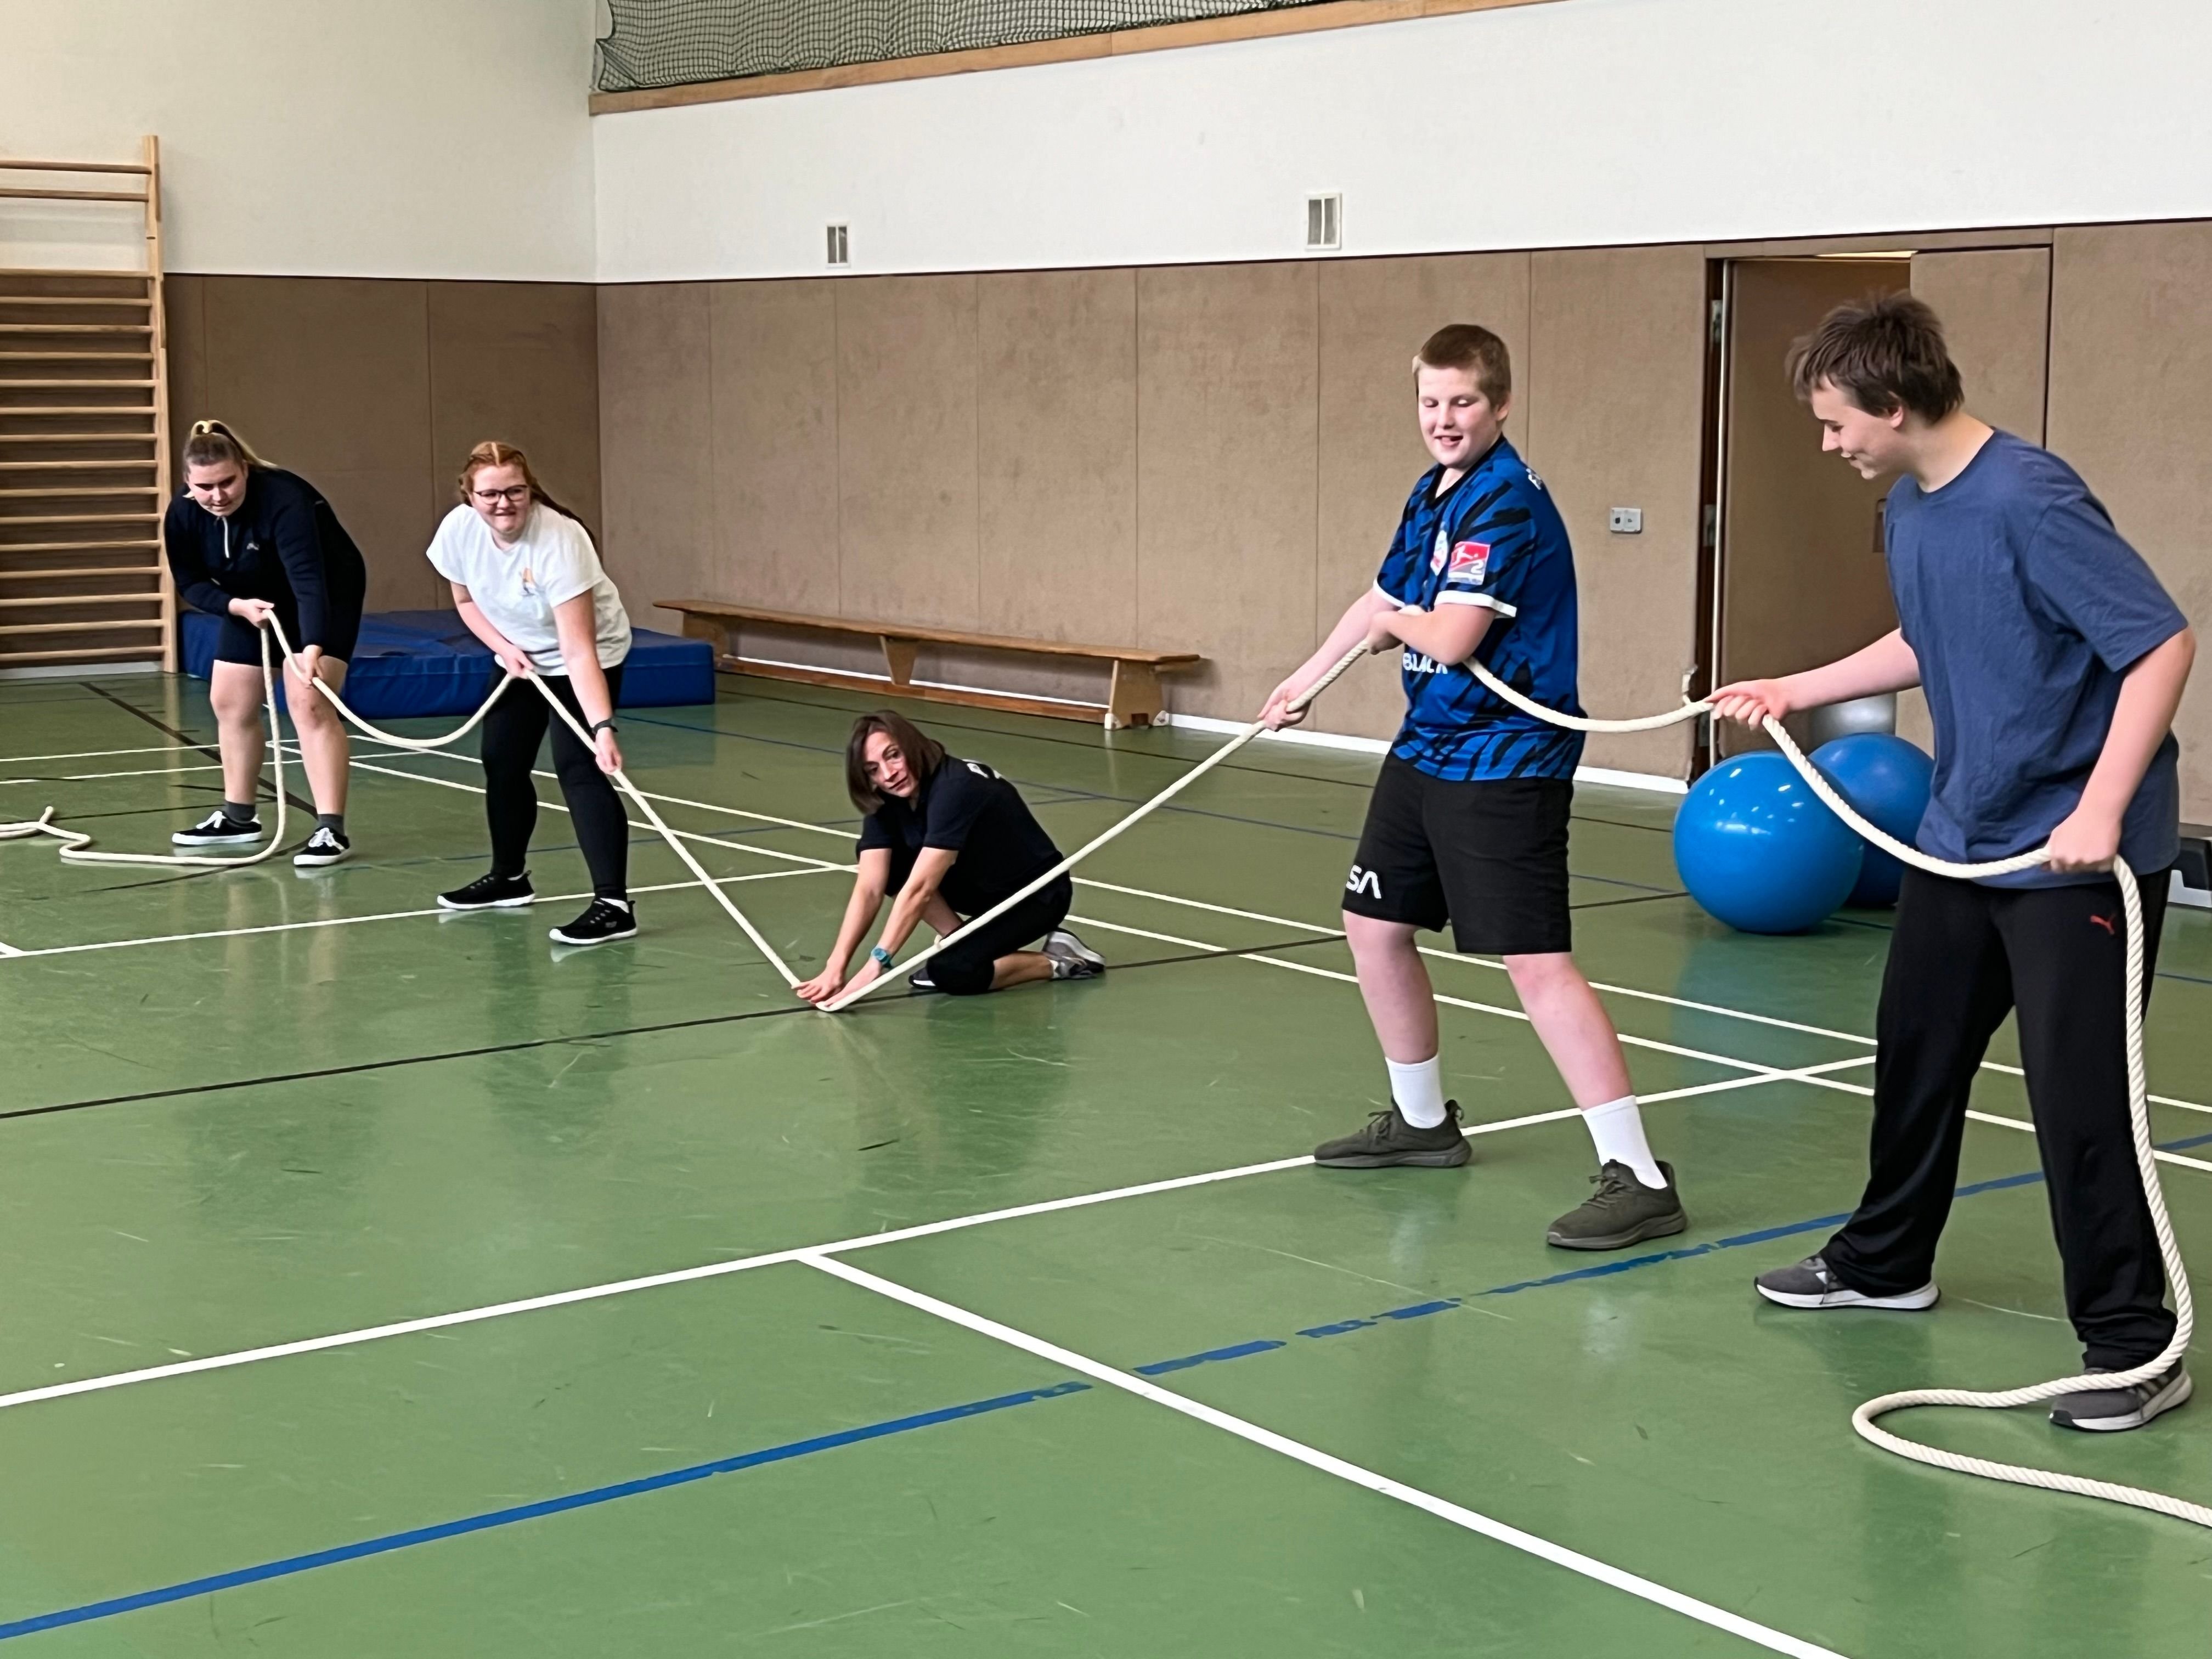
[[244, 539]]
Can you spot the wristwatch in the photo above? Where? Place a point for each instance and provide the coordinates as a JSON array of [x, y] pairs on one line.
[[880, 956], [598, 726]]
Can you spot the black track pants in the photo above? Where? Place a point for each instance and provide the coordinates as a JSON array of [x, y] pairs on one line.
[[512, 733], [1963, 956]]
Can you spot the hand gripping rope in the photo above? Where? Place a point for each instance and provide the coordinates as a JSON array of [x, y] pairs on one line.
[[75, 842], [847, 998], [1863, 1419]]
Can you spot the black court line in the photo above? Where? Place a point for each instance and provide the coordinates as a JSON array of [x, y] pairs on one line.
[[193, 744], [231, 1084], [1633, 898]]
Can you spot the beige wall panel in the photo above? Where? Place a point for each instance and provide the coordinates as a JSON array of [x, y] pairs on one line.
[[1618, 343], [1802, 579], [329, 377], [655, 448], [2131, 356], [518, 361], [774, 401], [1996, 307], [1057, 454], [1374, 314], [906, 447], [1226, 457], [184, 312]]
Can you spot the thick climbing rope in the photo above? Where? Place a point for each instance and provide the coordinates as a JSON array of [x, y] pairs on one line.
[[1864, 1419], [75, 842], [845, 999]]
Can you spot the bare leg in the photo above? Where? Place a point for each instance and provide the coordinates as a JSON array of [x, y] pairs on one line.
[[324, 749], [1395, 984], [234, 692], [1573, 1025]]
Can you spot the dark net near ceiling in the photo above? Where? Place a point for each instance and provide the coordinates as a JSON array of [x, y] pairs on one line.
[[671, 43]]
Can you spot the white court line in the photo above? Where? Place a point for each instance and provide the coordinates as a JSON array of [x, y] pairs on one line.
[[386, 916], [6, 950], [101, 754], [686, 1275], [1811, 1074], [1528, 1543], [2022, 1123], [141, 772]]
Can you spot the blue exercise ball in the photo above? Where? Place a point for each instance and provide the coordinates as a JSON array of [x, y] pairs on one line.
[[1888, 781], [1758, 850]]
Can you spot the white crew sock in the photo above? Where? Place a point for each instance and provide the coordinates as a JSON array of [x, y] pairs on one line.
[[1417, 1090], [1618, 1128]]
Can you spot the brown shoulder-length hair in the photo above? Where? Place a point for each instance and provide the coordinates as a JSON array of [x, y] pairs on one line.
[[924, 754], [492, 453]]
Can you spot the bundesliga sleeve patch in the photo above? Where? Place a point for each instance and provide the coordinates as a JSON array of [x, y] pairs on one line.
[[1470, 562]]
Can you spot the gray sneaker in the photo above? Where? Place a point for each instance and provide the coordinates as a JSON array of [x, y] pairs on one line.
[[1071, 957], [1813, 1284], [1622, 1212], [1388, 1139], [2107, 1411]]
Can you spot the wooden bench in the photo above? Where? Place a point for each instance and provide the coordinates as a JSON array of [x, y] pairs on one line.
[[1133, 697]]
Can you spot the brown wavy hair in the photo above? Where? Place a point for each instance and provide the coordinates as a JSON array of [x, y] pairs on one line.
[[1885, 353], [924, 755]]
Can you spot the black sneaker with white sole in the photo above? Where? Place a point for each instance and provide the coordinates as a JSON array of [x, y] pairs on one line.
[[1622, 1212], [606, 921], [919, 982], [219, 829], [1071, 957], [492, 892], [1813, 1284], [1389, 1140], [325, 846], [2107, 1411]]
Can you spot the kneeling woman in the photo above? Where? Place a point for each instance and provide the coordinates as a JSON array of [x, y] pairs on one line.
[[951, 838], [527, 582]]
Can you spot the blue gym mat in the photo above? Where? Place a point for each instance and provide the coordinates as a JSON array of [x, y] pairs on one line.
[[426, 662]]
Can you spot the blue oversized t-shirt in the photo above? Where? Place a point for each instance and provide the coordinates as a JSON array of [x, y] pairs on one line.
[[1493, 539], [2025, 608]]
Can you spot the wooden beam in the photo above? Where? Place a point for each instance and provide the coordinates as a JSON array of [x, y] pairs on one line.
[[1077, 48], [24, 164]]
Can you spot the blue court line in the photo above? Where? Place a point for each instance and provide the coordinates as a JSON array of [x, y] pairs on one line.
[[578, 1500], [398, 1541]]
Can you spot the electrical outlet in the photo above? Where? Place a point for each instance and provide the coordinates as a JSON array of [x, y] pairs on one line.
[[1627, 521]]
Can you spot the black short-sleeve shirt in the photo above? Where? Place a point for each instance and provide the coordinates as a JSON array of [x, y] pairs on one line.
[[965, 807]]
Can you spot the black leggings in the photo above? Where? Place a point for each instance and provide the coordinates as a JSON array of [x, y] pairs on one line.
[[512, 733], [966, 970]]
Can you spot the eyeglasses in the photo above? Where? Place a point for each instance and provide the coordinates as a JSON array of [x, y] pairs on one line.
[[514, 496]]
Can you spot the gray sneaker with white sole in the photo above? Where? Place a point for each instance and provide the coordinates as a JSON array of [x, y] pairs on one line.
[[2107, 1411], [1813, 1283]]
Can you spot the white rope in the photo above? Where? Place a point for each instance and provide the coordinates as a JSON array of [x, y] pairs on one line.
[[847, 998], [74, 841], [2177, 1273]]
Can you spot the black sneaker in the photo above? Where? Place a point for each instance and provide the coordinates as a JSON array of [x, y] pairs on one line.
[[492, 892], [1071, 957], [1622, 1212], [606, 921], [1813, 1284], [325, 846], [2107, 1411], [1388, 1139], [216, 830], [919, 982]]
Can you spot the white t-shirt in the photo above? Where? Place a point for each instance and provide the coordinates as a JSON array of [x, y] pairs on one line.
[[517, 588]]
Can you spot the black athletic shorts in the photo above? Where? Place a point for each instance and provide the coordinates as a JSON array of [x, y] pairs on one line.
[[1488, 855], [965, 969], [241, 641]]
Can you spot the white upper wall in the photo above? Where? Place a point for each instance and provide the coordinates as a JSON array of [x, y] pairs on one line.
[[1584, 122], [315, 137]]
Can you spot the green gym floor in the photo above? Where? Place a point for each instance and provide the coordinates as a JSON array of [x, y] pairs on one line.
[[385, 1282]]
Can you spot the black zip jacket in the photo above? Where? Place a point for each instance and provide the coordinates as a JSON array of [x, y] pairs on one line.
[[284, 544]]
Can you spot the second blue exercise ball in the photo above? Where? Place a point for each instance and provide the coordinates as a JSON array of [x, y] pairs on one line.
[[1887, 780], [1759, 851]]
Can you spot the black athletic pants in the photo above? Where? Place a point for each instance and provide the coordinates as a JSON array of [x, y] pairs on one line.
[[512, 733], [1963, 956]]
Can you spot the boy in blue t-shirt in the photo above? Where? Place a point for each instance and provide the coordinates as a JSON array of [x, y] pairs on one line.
[[2053, 662], [1468, 822]]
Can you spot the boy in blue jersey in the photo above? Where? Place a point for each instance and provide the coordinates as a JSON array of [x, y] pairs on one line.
[[2053, 663], [1468, 822]]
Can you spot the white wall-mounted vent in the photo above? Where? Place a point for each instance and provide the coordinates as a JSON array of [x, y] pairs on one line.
[[1324, 222], [840, 248]]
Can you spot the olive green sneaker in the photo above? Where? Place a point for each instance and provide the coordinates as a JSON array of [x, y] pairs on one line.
[[1388, 1139], [1622, 1212]]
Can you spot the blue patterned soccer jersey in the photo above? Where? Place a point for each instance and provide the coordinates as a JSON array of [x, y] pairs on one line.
[[1495, 539]]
